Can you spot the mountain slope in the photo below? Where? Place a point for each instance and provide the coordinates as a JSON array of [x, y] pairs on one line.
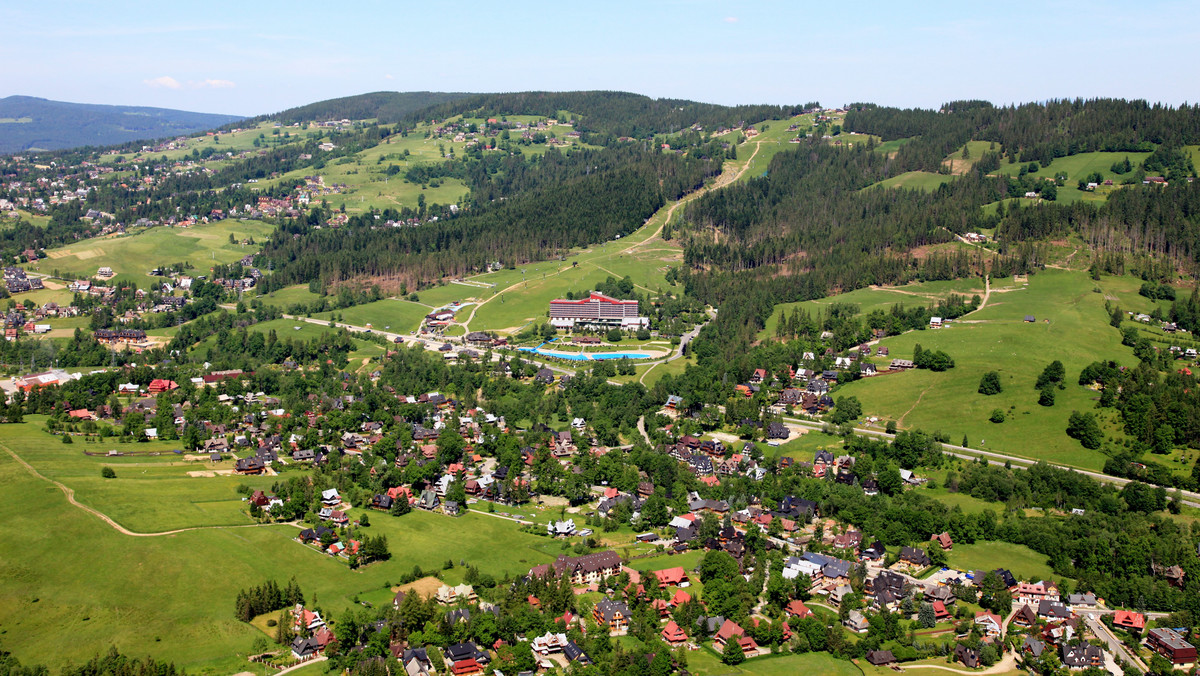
[[29, 123]]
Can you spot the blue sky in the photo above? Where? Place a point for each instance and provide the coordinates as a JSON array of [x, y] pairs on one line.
[[247, 58]]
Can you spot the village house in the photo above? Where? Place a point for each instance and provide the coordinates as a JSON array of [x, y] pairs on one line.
[[612, 614]]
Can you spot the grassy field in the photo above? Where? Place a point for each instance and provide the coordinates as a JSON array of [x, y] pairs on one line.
[[400, 315], [706, 663], [290, 296], [172, 596], [882, 298], [1071, 326], [969, 505], [1078, 166], [294, 329], [132, 256], [917, 180], [1021, 560]]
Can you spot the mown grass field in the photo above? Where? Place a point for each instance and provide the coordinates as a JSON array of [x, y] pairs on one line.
[[1021, 560], [289, 296], [882, 298], [916, 180], [1072, 326], [172, 596], [1078, 167], [400, 315], [150, 493], [706, 663], [133, 256]]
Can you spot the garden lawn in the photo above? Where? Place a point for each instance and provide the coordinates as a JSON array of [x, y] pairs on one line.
[[705, 663], [1024, 563]]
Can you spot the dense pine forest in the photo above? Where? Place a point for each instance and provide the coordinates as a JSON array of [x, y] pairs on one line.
[[568, 200], [605, 116], [1031, 132]]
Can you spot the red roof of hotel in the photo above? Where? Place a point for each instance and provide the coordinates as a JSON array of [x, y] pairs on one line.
[[595, 297]]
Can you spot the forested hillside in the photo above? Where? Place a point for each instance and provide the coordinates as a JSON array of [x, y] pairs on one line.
[[612, 114], [1028, 132], [386, 107], [27, 122], [567, 200], [809, 228]]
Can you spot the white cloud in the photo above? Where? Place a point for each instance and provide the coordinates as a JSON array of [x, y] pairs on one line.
[[213, 84], [730, 19], [164, 81], [388, 77]]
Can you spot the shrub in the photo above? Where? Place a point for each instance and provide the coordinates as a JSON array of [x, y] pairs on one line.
[[989, 384], [997, 416], [108, 473]]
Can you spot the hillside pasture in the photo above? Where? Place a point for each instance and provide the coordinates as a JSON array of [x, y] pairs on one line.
[[1079, 166], [132, 256], [914, 180], [106, 588], [1071, 325], [389, 314], [874, 298]]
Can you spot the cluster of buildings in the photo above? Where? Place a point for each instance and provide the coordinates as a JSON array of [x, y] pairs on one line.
[[17, 281], [597, 311]]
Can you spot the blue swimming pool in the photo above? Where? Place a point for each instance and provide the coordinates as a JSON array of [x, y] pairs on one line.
[[575, 356]]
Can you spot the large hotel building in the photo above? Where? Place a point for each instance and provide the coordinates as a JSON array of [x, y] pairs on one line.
[[597, 310]]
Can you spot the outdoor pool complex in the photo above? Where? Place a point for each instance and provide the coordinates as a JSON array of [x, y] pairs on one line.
[[576, 356]]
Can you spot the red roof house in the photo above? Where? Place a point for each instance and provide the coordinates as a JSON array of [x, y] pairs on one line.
[[1128, 619], [673, 635]]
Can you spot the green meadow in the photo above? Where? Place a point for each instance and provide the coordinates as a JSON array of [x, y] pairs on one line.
[[389, 314], [916, 180], [132, 256], [1072, 326], [289, 296], [1078, 166], [1024, 563], [172, 596], [880, 298]]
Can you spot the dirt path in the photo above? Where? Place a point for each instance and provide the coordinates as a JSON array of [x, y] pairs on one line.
[[892, 289], [916, 403], [314, 660], [70, 493], [987, 294], [724, 179], [1009, 663]]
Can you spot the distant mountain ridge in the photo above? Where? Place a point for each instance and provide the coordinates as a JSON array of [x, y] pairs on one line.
[[30, 123]]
